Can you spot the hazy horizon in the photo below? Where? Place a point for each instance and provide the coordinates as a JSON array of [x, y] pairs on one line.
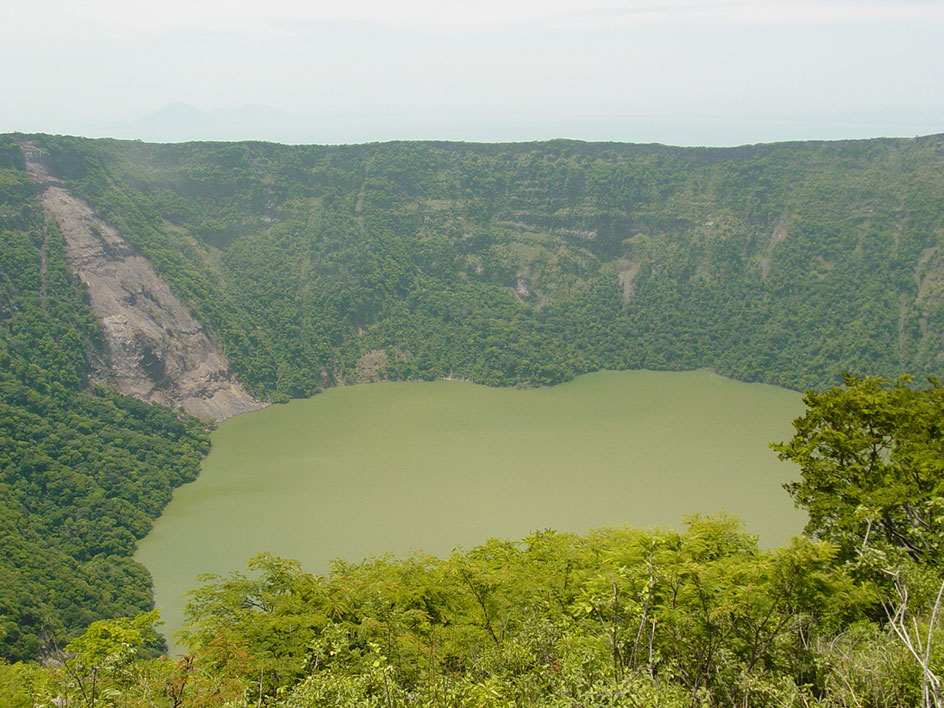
[[179, 122], [688, 72]]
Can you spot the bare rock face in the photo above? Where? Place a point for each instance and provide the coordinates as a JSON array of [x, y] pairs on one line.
[[157, 351]]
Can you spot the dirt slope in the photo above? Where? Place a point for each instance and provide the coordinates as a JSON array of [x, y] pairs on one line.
[[157, 351]]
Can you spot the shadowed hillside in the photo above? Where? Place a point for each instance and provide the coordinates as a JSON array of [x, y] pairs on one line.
[[531, 263]]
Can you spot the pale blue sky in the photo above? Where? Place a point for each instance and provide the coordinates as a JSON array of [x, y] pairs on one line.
[[712, 72]]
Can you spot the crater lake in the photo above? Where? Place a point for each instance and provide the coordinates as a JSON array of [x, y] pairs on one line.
[[379, 468]]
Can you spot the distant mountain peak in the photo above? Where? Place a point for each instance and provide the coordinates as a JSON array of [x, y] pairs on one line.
[[176, 108], [176, 116]]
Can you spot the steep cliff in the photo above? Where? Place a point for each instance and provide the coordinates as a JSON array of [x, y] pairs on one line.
[[157, 351], [527, 264]]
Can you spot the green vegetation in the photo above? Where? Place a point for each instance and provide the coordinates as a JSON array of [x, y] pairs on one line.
[[83, 470], [873, 469], [505, 264], [531, 263], [617, 617]]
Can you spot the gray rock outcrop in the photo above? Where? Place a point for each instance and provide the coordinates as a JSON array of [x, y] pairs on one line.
[[157, 351]]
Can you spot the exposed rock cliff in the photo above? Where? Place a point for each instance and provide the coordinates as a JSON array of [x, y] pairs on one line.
[[157, 351]]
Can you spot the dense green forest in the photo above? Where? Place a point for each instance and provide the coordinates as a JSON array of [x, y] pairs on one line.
[[519, 264], [618, 617], [83, 470], [531, 263]]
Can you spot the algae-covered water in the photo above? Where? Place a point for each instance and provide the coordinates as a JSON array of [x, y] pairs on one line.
[[397, 467]]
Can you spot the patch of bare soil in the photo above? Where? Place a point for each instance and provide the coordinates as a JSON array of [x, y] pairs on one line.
[[371, 367], [157, 351], [628, 270]]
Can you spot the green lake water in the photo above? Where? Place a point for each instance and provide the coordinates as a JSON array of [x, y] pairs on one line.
[[399, 467]]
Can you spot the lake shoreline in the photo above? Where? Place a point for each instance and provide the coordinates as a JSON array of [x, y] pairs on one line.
[[394, 467]]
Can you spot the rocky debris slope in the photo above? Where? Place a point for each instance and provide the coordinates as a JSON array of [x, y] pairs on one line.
[[157, 351]]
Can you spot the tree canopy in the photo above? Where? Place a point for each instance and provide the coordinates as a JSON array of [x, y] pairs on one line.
[[871, 455], [83, 469], [505, 264], [530, 263]]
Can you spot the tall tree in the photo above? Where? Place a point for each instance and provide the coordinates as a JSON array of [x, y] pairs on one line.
[[872, 459]]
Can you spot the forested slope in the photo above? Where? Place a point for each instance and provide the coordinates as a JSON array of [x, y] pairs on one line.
[[83, 470], [530, 263], [505, 264]]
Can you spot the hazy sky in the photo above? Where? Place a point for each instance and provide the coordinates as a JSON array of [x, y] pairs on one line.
[[686, 72]]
